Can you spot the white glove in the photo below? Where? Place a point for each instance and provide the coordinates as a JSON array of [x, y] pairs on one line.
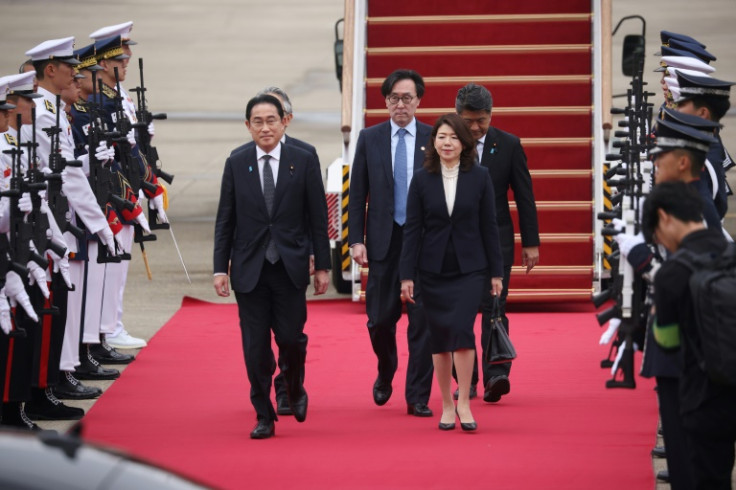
[[141, 219], [157, 203], [619, 355], [151, 129], [131, 137], [55, 232], [16, 293], [36, 275], [107, 238], [141, 195], [618, 224], [61, 265], [627, 242], [103, 153], [24, 203], [5, 323], [613, 325]]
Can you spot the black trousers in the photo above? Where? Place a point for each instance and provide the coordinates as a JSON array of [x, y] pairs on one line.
[[711, 434], [275, 304], [675, 439], [383, 307]]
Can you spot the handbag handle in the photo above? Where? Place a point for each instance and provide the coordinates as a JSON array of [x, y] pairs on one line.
[[496, 307]]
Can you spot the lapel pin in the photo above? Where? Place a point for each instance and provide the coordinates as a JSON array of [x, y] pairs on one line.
[[291, 169], [250, 168]]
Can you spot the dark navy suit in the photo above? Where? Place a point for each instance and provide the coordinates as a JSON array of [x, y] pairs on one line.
[[372, 183]]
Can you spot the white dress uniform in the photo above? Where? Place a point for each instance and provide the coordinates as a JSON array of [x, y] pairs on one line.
[[75, 186]]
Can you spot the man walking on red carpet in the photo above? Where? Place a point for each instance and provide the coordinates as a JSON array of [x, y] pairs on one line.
[[272, 202]]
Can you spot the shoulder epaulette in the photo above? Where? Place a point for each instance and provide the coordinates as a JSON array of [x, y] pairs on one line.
[[109, 92], [11, 139], [80, 107], [50, 107]]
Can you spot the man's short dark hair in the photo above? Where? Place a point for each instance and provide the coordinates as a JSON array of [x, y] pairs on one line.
[[263, 99], [718, 106], [677, 199], [402, 74], [40, 66], [473, 97]]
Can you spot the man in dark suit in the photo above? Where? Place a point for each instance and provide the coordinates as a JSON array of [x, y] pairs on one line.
[[386, 157], [271, 202], [279, 383], [502, 154]]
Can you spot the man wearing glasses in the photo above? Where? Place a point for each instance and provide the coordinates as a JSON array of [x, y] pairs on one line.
[[386, 157]]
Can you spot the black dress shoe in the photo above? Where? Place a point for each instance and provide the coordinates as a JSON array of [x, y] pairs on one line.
[[15, 416], [299, 407], [496, 387], [69, 388], [447, 426], [473, 393], [419, 410], [90, 369], [381, 392], [264, 429], [659, 452], [48, 407], [663, 476], [282, 405], [104, 354]]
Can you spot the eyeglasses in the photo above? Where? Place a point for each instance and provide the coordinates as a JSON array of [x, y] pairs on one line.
[[270, 122], [394, 99]]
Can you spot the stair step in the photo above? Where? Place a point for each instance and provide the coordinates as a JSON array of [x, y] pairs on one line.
[[561, 249], [475, 7], [562, 185], [558, 153], [553, 294], [430, 61], [488, 29], [559, 216], [548, 277], [510, 91]]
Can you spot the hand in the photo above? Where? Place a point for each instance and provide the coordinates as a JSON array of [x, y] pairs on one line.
[[627, 242], [5, 323], [407, 291], [157, 203], [151, 129], [103, 153], [321, 281], [496, 286], [107, 239], [16, 293], [24, 203], [360, 254], [36, 275], [221, 286], [56, 235], [131, 137], [618, 224], [613, 325], [118, 245], [311, 265], [61, 265], [529, 257], [141, 220]]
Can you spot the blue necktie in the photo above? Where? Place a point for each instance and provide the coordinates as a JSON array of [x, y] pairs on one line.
[[269, 190], [400, 179]]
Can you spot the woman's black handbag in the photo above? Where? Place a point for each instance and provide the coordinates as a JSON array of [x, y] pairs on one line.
[[499, 348]]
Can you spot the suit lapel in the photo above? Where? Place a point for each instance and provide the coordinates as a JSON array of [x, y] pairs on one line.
[[384, 143], [421, 140], [253, 178], [489, 148]]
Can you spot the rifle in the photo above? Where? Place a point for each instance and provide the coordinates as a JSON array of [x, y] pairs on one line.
[[58, 202], [148, 152], [627, 288]]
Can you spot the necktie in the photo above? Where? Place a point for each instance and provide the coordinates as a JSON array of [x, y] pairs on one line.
[[400, 179], [269, 189]]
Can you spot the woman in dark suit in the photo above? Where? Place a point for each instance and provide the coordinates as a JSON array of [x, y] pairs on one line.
[[451, 247]]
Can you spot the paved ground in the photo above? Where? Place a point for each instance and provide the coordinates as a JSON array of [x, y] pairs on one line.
[[203, 61]]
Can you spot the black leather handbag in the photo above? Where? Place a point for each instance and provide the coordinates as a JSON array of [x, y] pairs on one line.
[[499, 348]]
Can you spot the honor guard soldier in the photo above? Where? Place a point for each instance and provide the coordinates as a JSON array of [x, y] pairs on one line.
[[116, 40], [54, 62]]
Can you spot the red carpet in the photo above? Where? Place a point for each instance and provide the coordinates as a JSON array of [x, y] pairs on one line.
[[184, 404]]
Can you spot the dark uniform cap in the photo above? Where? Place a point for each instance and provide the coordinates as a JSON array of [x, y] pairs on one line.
[[87, 58], [667, 36], [694, 86], [110, 49], [673, 136], [690, 50], [696, 122]]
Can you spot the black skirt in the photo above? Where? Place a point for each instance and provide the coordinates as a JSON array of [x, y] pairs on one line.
[[451, 300]]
